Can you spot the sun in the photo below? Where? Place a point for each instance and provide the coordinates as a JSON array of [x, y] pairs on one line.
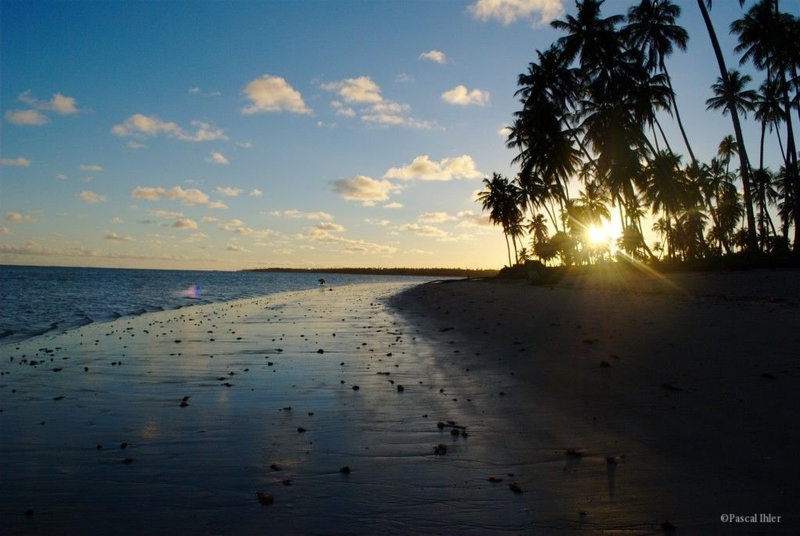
[[604, 234]]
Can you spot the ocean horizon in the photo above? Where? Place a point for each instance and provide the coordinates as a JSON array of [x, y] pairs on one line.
[[38, 300]]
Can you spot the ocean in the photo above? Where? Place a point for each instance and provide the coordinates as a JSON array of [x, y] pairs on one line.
[[39, 300]]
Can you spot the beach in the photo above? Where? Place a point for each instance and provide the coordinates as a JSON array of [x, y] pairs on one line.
[[615, 405]]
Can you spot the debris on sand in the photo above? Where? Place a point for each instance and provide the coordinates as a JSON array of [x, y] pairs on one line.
[[265, 499]]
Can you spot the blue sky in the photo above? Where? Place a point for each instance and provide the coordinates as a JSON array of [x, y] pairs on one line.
[[228, 135]]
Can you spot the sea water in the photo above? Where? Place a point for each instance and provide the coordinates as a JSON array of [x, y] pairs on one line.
[[37, 300]]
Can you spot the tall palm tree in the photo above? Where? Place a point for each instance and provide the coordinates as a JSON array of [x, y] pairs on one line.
[[769, 113], [731, 96], [666, 188], [726, 149], [651, 27], [500, 198], [737, 126], [592, 39], [766, 38], [538, 230]]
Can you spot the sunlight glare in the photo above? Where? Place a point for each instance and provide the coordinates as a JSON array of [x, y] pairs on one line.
[[603, 234]]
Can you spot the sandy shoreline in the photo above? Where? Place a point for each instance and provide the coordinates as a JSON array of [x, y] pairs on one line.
[[693, 417], [678, 394]]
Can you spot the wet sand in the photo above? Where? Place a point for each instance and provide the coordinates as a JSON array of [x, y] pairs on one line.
[[594, 406], [635, 403]]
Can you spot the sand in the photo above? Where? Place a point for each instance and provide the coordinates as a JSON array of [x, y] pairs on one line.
[[605, 405], [640, 404]]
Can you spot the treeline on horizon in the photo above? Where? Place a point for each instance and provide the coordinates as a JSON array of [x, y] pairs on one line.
[[591, 110], [435, 272]]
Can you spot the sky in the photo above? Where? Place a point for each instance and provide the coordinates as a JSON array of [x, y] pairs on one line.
[[221, 135]]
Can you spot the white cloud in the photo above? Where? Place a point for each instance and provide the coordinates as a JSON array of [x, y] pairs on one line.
[[372, 107], [462, 97], [364, 189], [255, 192], [185, 223], [403, 78], [20, 161], [273, 94], [434, 55], [17, 217], [236, 248], [217, 205], [423, 230], [228, 191], [117, 219], [504, 131], [198, 91], [393, 205], [59, 103], [435, 217], [508, 11], [299, 214], [143, 126], [63, 105], [61, 177], [165, 214], [255, 233], [231, 225], [26, 117], [356, 90], [342, 110], [460, 167], [120, 238], [329, 227], [90, 167], [468, 218], [217, 158], [91, 197], [244, 144], [190, 196]]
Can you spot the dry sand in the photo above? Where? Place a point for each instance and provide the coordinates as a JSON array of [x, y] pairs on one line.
[[222, 409]]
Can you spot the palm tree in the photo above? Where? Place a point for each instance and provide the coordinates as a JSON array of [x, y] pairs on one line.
[[592, 39], [666, 188], [737, 127], [769, 113], [726, 149], [537, 229], [500, 198], [767, 38], [732, 97], [651, 27]]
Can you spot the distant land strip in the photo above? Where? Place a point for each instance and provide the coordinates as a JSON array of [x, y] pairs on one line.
[[435, 272]]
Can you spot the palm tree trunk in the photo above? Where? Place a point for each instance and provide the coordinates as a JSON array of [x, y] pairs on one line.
[[678, 114], [752, 243], [792, 176]]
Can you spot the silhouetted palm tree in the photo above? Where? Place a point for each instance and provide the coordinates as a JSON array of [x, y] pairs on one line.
[[732, 98], [651, 27], [769, 38], [501, 198], [726, 149], [589, 38], [737, 127], [666, 188]]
